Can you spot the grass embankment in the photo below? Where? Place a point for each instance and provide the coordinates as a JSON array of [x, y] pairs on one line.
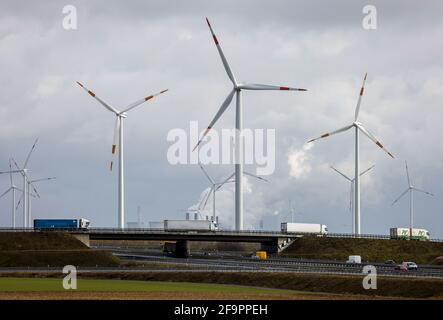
[[55, 249], [93, 288], [373, 250], [349, 286]]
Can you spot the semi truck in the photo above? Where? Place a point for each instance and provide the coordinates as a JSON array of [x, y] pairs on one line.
[[190, 225], [405, 233], [67, 224], [304, 228]]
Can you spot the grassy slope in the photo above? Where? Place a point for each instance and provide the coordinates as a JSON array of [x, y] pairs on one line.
[[42, 249], [314, 283], [45, 284], [372, 250]]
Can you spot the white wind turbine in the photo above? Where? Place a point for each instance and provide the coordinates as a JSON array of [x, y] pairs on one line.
[[237, 89], [118, 139], [11, 189], [215, 186], [29, 184], [358, 126], [351, 197], [411, 190], [23, 171]]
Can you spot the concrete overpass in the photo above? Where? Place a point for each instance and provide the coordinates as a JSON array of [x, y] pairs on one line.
[[271, 242]]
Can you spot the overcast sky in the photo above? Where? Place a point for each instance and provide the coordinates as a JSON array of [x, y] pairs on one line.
[[126, 50]]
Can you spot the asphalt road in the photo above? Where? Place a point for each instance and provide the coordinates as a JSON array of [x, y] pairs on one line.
[[231, 263]]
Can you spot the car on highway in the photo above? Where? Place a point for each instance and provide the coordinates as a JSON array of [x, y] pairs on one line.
[[354, 260], [407, 266], [389, 262]]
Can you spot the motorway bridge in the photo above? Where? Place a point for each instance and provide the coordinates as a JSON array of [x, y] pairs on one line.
[[270, 241]]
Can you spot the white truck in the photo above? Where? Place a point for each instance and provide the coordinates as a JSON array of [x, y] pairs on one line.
[[405, 233], [157, 225], [354, 260], [190, 225], [304, 228]]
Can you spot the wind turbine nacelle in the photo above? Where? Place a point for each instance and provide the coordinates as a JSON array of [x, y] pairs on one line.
[[123, 115]]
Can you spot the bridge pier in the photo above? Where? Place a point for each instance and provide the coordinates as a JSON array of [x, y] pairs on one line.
[[83, 237], [275, 246], [182, 249]]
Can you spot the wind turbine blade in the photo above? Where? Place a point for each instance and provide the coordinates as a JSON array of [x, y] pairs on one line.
[[400, 196], [373, 138], [13, 171], [116, 139], [222, 109], [206, 174], [222, 56], [19, 201], [10, 172], [341, 173], [255, 176], [139, 102], [42, 179], [18, 168], [357, 109], [332, 133], [6, 192], [102, 102], [368, 169], [35, 190], [225, 181], [29, 154], [256, 86], [407, 173], [423, 191], [206, 198]]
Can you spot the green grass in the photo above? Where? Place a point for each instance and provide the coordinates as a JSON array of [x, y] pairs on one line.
[[89, 285]]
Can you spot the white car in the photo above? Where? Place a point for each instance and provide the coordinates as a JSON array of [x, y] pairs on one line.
[[407, 266]]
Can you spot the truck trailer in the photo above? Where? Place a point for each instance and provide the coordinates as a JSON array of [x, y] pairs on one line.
[[405, 233], [67, 224], [304, 228], [190, 225]]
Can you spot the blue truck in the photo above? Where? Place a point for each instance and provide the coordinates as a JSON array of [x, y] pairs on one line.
[[67, 224]]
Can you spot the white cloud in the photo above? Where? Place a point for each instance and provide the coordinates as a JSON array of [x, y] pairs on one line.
[[299, 161]]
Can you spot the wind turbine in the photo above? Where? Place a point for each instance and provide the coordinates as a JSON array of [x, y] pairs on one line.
[[237, 90], [12, 189], [118, 139], [31, 184], [411, 190], [351, 202], [215, 186], [358, 126], [26, 197], [23, 171]]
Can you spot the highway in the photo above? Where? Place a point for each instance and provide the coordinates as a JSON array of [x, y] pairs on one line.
[[244, 264], [156, 261]]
